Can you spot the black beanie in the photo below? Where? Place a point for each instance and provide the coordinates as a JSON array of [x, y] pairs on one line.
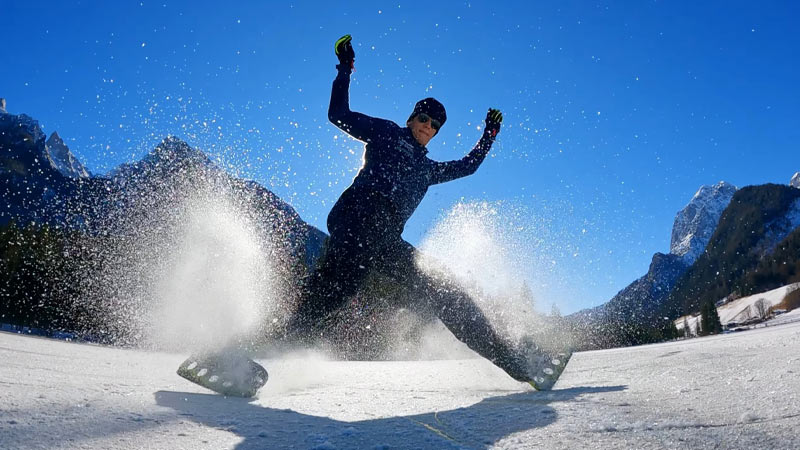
[[431, 107]]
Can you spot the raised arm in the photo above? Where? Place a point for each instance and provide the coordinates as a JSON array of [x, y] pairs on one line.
[[447, 171], [360, 126]]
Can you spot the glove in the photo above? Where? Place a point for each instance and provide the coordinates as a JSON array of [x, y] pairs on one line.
[[493, 120], [344, 51]]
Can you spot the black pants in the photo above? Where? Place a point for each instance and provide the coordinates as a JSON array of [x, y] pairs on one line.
[[365, 237]]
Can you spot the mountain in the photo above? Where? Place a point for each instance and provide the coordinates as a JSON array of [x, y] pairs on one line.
[[795, 182], [32, 188], [779, 268], [632, 316], [754, 247], [88, 248], [25, 134], [642, 300], [148, 189], [695, 223], [62, 159], [43, 182], [760, 221]]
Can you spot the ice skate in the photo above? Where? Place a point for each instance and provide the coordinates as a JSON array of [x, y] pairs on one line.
[[228, 374]]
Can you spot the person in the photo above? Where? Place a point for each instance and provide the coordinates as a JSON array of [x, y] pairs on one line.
[[366, 223]]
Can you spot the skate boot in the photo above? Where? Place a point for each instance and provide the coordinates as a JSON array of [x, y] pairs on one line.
[[228, 374], [535, 365], [544, 368]]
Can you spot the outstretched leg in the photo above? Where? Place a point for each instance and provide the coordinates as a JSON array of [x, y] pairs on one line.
[[455, 308]]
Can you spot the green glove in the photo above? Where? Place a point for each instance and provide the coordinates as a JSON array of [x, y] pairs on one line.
[[344, 51], [493, 120]]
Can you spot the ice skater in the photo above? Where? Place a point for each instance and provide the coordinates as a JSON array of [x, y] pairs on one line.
[[367, 221], [365, 227]]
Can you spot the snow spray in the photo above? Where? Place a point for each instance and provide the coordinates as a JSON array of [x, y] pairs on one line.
[[215, 284], [494, 252], [187, 265]]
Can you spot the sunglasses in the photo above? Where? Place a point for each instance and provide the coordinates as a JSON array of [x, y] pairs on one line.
[[435, 124]]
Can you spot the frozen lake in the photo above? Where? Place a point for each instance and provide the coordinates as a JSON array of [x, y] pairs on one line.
[[732, 391]]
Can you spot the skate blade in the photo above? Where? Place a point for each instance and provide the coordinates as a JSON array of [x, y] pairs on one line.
[[549, 372], [211, 374]]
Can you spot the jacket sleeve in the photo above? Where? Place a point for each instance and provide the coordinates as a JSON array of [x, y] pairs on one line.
[[360, 126], [450, 170]]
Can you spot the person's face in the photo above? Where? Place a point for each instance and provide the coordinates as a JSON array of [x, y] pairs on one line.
[[422, 127]]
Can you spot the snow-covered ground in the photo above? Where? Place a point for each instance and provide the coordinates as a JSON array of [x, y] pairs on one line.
[[731, 391], [741, 309], [791, 316]]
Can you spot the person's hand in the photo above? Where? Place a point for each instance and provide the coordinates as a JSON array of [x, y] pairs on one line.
[[344, 51], [493, 120]]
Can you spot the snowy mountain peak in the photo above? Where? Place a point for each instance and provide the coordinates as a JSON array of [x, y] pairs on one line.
[[2, 105], [795, 182], [173, 149], [695, 223], [62, 159], [706, 193], [170, 153], [22, 128], [24, 134]]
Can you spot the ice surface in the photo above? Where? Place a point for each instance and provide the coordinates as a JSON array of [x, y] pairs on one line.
[[731, 391]]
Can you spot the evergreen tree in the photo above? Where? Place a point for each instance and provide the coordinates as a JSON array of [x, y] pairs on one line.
[[715, 323], [709, 319], [667, 333], [35, 281], [702, 322]]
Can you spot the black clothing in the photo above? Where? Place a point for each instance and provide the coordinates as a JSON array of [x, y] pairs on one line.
[[365, 228], [395, 164]]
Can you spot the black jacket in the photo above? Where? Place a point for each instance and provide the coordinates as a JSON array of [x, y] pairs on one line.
[[395, 166]]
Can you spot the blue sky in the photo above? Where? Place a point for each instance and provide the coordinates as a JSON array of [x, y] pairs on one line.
[[615, 112]]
